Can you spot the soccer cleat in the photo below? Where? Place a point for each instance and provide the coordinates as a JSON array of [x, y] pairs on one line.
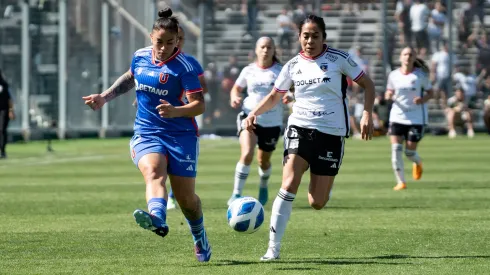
[[202, 247], [172, 203], [471, 133], [400, 186], [271, 254], [263, 195], [150, 222], [417, 171], [452, 134], [232, 198]]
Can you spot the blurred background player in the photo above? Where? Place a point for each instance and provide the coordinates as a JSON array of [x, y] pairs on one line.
[[165, 142], [314, 137], [459, 113], [259, 77], [409, 88], [6, 113]]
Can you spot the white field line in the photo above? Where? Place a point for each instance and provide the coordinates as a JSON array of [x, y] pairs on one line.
[[53, 159]]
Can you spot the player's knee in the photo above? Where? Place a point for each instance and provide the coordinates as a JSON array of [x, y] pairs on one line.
[[151, 173], [410, 153], [264, 164], [318, 204]]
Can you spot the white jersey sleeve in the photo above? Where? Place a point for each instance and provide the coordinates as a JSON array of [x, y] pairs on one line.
[[284, 81], [241, 81], [350, 68]]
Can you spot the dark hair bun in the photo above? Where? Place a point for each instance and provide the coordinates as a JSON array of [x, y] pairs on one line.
[[165, 13]]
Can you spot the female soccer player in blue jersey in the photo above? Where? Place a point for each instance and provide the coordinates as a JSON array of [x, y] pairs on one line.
[[165, 142]]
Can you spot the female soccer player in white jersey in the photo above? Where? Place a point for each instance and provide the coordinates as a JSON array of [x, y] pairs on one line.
[[314, 137], [259, 77], [165, 143], [409, 88]]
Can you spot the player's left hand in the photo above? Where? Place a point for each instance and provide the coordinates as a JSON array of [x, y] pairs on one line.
[[417, 100], [166, 109], [367, 127], [287, 99]]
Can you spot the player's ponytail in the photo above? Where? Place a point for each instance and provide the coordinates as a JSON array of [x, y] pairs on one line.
[[420, 63], [166, 21]]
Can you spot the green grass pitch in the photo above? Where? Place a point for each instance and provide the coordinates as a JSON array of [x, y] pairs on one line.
[[69, 212]]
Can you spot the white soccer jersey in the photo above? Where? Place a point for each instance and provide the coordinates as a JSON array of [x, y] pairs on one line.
[[260, 82], [405, 88], [320, 85]]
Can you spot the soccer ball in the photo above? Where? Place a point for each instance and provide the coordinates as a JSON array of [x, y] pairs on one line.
[[245, 215]]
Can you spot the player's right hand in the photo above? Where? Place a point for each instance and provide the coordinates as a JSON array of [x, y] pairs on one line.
[[235, 101], [95, 101], [249, 123]]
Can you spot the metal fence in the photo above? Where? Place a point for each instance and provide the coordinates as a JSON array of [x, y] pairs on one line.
[[55, 51]]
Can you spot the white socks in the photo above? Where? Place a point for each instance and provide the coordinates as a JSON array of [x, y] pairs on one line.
[[412, 155], [281, 210], [264, 176], [397, 162], [241, 174]]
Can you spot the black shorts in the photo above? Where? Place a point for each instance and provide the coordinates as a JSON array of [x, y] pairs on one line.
[[323, 152], [267, 137], [422, 39], [413, 133]]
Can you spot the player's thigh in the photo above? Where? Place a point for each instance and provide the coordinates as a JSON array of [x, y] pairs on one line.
[[296, 158], [153, 166], [248, 141], [293, 169], [183, 154], [149, 155], [398, 133]]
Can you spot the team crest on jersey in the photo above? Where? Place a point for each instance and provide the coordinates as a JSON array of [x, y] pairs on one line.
[[351, 62], [324, 67]]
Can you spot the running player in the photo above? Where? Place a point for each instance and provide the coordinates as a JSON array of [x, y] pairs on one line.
[[259, 77], [166, 141], [409, 88], [172, 203], [314, 137]]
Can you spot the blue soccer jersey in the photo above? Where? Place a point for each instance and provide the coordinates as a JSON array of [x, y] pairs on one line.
[[170, 80], [195, 64]]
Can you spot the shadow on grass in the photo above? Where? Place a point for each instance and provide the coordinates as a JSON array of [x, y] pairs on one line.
[[374, 260], [304, 261], [395, 256]]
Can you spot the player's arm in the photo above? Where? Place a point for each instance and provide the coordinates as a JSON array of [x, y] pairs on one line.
[[267, 103], [204, 85], [195, 107], [367, 84], [235, 98], [121, 86], [194, 93]]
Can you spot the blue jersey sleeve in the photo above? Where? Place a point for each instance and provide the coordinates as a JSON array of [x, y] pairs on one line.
[[190, 83], [195, 65]]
